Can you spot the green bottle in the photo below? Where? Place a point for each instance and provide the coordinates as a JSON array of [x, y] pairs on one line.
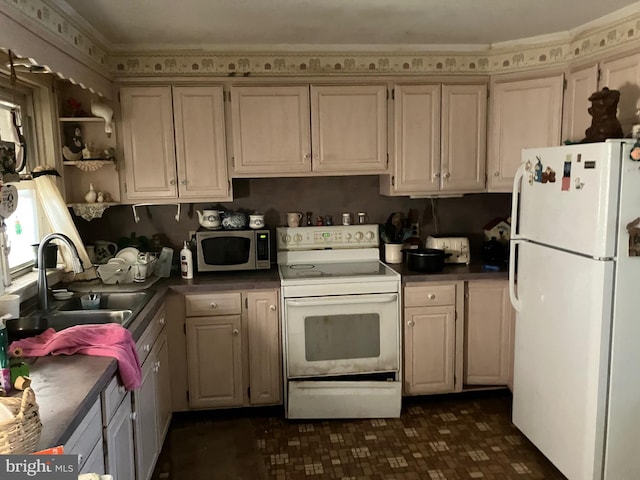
[[5, 372]]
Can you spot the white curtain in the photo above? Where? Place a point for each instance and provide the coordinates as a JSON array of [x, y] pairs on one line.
[[60, 221]]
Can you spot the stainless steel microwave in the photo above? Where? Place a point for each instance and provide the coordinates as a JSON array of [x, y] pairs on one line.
[[228, 250]]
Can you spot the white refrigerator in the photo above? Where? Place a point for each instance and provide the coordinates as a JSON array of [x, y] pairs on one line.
[[574, 278]]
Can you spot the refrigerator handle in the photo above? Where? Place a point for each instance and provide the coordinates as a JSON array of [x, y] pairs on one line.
[[515, 301], [515, 199]]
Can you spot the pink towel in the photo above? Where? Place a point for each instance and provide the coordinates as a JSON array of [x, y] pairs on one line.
[[103, 340]]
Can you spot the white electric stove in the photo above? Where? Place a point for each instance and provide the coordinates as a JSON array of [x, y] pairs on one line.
[[341, 324]]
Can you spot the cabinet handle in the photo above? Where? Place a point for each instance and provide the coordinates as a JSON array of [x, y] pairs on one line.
[[272, 308], [121, 389], [411, 323], [133, 416], [236, 332], [172, 181], [436, 175], [147, 347], [307, 156], [431, 296], [447, 175], [162, 321], [156, 367], [213, 305], [496, 174], [183, 182]]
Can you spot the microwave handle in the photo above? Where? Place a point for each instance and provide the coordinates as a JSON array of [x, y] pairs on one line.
[[350, 300]]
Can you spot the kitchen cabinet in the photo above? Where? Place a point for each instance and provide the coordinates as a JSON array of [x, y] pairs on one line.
[[151, 417], [581, 83], [623, 74], [119, 441], [439, 139], [233, 353], [432, 338], [174, 143], [309, 130], [489, 329], [87, 437], [523, 113]]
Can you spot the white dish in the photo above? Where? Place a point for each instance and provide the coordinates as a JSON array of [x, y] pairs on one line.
[[62, 295], [129, 254]]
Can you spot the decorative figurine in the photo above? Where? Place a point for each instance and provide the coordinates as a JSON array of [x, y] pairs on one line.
[[604, 124]]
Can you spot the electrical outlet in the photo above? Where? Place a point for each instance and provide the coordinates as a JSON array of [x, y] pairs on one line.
[[415, 227]]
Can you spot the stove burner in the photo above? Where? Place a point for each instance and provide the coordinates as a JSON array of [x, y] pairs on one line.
[[302, 266]]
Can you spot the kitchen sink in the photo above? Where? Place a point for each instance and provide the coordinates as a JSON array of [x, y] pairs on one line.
[[108, 301], [114, 307], [59, 320]]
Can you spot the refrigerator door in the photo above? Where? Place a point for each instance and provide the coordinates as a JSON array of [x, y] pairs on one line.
[[569, 197], [561, 356]]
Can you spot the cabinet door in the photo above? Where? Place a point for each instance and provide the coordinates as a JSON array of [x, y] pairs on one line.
[[349, 128], [488, 336], [464, 133], [120, 448], [146, 423], [271, 132], [214, 358], [148, 142], [263, 323], [623, 74], [163, 385], [429, 350], [523, 114], [576, 119], [200, 142], [416, 149]]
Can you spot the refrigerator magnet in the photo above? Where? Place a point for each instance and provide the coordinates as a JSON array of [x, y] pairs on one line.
[[549, 175], [537, 171], [634, 238], [635, 152], [566, 176]]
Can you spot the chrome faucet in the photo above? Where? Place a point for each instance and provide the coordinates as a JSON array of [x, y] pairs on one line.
[[43, 297]]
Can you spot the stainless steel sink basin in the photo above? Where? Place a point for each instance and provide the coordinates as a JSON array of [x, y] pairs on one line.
[[114, 307], [59, 320], [109, 301]]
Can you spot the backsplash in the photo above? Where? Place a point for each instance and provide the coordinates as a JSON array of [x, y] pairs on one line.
[[321, 195]]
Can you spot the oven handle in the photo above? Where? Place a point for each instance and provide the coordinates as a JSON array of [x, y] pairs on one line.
[[334, 300]]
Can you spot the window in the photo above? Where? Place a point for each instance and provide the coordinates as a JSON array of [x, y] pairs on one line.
[[23, 227]]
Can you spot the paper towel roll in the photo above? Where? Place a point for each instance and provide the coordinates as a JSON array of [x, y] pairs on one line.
[[10, 304]]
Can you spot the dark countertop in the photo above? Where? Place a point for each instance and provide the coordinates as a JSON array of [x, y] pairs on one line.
[[67, 386], [450, 272]]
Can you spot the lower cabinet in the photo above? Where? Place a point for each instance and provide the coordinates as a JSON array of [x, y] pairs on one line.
[[431, 346], [86, 441], [119, 441], [233, 348], [151, 408], [489, 330]]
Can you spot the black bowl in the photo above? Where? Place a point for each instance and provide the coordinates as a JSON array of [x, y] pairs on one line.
[[24, 327]]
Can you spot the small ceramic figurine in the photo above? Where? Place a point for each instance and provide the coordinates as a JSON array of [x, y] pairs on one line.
[[603, 109], [91, 195]]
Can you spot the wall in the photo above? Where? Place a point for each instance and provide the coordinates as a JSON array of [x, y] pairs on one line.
[[322, 196]]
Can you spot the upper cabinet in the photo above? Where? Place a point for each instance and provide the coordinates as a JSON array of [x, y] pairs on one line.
[[581, 83], [439, 139], [174, 143], [523, 113], [302, 130], [623, 74]]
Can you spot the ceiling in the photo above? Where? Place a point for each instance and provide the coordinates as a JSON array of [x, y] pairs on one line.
[[263, 24]]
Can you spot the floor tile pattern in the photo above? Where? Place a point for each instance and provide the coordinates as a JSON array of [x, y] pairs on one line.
[[463, 436]]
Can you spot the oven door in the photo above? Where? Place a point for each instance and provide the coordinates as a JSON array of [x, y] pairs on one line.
[[342, 335]]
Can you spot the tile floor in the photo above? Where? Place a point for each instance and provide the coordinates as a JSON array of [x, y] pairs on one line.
[[463, 436]]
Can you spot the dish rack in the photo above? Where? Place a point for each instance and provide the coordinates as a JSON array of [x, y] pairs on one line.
[[20, 434], [117, 271]]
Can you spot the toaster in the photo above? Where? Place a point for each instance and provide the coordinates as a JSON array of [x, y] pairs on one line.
[[458, 247]]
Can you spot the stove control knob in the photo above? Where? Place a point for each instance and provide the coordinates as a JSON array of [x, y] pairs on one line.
[[359, 236], [297, 238], [369, 236], [286, 238], [349, 236]]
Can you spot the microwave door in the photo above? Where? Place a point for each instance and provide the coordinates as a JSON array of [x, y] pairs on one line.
[[220, 253]]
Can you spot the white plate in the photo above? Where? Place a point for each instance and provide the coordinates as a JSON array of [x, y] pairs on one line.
[[129, 254], [62, 295]]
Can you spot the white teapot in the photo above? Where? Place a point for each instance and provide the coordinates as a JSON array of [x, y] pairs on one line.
[[209, 218]]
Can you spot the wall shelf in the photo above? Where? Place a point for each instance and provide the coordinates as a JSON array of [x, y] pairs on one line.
[[89, 211], [89, 165]]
